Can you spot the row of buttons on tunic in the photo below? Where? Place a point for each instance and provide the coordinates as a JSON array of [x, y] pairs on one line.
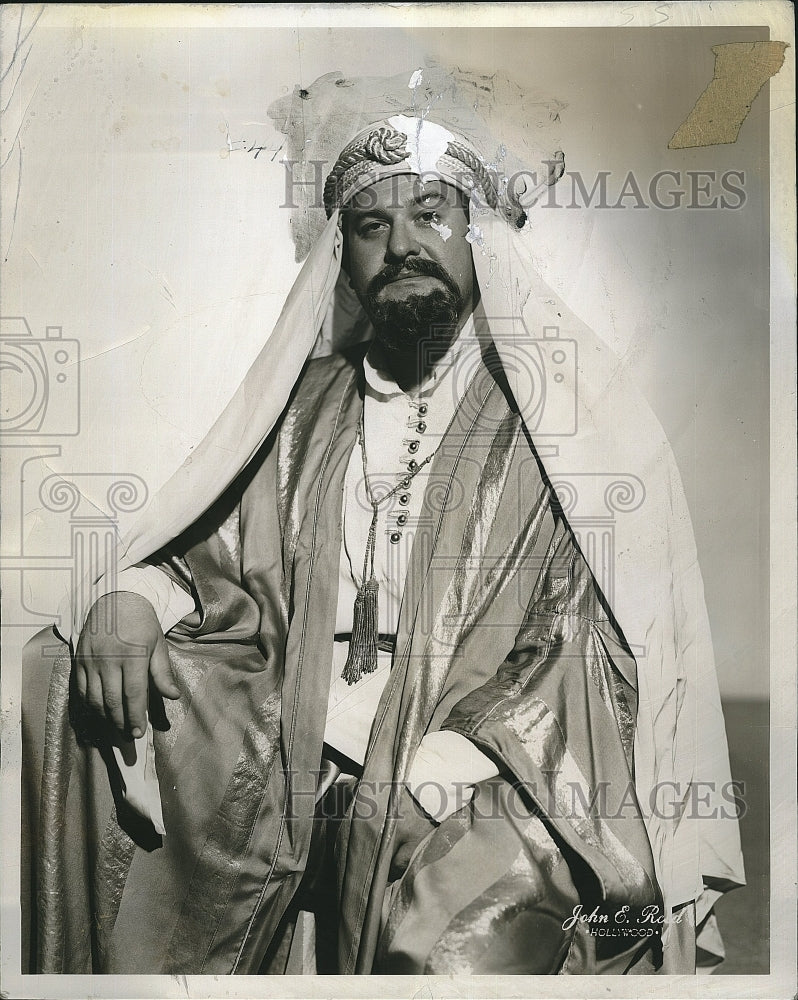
[[413, 444]]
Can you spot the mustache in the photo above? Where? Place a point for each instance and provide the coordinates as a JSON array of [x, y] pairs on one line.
[[415, 266]]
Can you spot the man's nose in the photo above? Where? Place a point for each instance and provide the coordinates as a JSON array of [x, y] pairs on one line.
[[401, 243]]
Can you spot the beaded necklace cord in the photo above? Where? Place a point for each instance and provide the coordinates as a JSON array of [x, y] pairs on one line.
[[362, 655]]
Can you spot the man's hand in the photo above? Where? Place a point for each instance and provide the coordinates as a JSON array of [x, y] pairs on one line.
[[121, 646]]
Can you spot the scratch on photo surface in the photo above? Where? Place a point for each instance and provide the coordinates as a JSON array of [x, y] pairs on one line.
[[22, 118], [16, 201], [17, 63], [19, 42], [163, 285], [182, 982], [35, 259], [113, 347]]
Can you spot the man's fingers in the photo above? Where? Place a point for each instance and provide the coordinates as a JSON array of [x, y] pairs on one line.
[[111, 677], [94, 691], [161, 670], [80, 680], [134, 687], [113, 669]]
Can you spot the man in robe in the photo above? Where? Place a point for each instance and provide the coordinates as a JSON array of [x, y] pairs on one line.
[[373, 694]]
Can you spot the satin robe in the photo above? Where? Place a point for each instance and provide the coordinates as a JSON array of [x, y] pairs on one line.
[[503, 637]]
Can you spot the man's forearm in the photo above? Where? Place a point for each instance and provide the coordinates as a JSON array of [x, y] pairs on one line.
[[169, 600]]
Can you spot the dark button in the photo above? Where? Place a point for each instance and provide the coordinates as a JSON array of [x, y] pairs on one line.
[[412, 465], [395, 537], [413, 447], [421, 427], [404, 499], [401, 519], [422, 410], [405, 482]]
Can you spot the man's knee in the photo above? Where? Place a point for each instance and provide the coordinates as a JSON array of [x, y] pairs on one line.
[[43, 648], [40, 655]]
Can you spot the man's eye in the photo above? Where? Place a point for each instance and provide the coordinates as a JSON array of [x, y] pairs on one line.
[[429, 217], [370, 228]]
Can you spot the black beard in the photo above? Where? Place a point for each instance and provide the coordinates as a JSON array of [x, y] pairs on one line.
[[402, 325]]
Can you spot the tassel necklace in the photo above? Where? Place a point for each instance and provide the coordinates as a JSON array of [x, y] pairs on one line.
[[362, 658]]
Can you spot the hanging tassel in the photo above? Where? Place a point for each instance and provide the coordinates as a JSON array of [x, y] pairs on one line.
[[362, 657]]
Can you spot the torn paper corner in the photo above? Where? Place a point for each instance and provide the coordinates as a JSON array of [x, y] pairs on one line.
[[741, 70]]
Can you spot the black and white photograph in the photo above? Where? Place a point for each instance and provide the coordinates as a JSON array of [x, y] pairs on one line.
[[398, 500]]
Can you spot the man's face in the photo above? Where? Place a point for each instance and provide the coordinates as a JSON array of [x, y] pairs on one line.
[[408, 259]]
